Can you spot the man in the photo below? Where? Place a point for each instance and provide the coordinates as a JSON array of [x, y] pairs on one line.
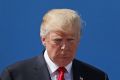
[[60, 34]]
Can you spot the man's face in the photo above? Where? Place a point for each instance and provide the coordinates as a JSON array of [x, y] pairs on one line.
[[61, 47]]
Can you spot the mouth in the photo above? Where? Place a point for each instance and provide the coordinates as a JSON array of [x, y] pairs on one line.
[[64, 53], [64, 57]]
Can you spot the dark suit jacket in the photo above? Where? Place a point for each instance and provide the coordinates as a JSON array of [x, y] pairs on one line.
[[36, 69]]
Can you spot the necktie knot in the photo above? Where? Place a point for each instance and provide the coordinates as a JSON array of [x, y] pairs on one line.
[[61, 69]]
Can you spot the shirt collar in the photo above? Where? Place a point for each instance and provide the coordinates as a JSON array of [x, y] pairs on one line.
[[52, 66]]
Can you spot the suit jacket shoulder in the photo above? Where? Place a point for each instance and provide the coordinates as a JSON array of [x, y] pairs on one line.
[[31, 69], [87, 72]]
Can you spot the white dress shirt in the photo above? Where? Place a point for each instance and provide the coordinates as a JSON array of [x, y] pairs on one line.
[[52, 67]]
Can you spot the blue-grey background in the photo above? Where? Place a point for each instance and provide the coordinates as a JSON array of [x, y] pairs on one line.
[[100, 42]]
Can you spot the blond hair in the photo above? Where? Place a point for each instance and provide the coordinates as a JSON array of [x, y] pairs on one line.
[[65, 20]]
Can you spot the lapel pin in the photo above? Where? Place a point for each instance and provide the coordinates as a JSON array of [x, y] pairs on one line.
[[81, 78]]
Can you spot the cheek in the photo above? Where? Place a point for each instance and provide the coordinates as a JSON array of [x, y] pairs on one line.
[[52, 49], [73, 46], [73, 49]]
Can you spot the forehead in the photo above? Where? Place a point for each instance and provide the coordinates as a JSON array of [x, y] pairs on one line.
[[61, 34]]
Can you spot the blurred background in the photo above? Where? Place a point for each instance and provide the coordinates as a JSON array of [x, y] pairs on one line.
[[100, 43]]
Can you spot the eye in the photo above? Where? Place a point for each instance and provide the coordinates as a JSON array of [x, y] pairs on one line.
[[57, 40], [71, 40]]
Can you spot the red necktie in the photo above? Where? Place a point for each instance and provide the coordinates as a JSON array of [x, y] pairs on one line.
[[61, 71]]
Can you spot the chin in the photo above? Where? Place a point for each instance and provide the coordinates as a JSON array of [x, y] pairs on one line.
[[63, 63]]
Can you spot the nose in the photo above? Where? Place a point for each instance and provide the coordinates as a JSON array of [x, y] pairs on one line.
[[64, 45]]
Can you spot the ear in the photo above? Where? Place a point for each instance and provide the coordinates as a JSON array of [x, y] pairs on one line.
[[43, 39]]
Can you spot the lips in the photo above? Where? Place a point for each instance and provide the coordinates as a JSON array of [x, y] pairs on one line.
[[64, 57], [64, 53]]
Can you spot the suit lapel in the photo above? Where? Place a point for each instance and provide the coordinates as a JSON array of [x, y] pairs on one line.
[[78, 73], [41, 69]]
